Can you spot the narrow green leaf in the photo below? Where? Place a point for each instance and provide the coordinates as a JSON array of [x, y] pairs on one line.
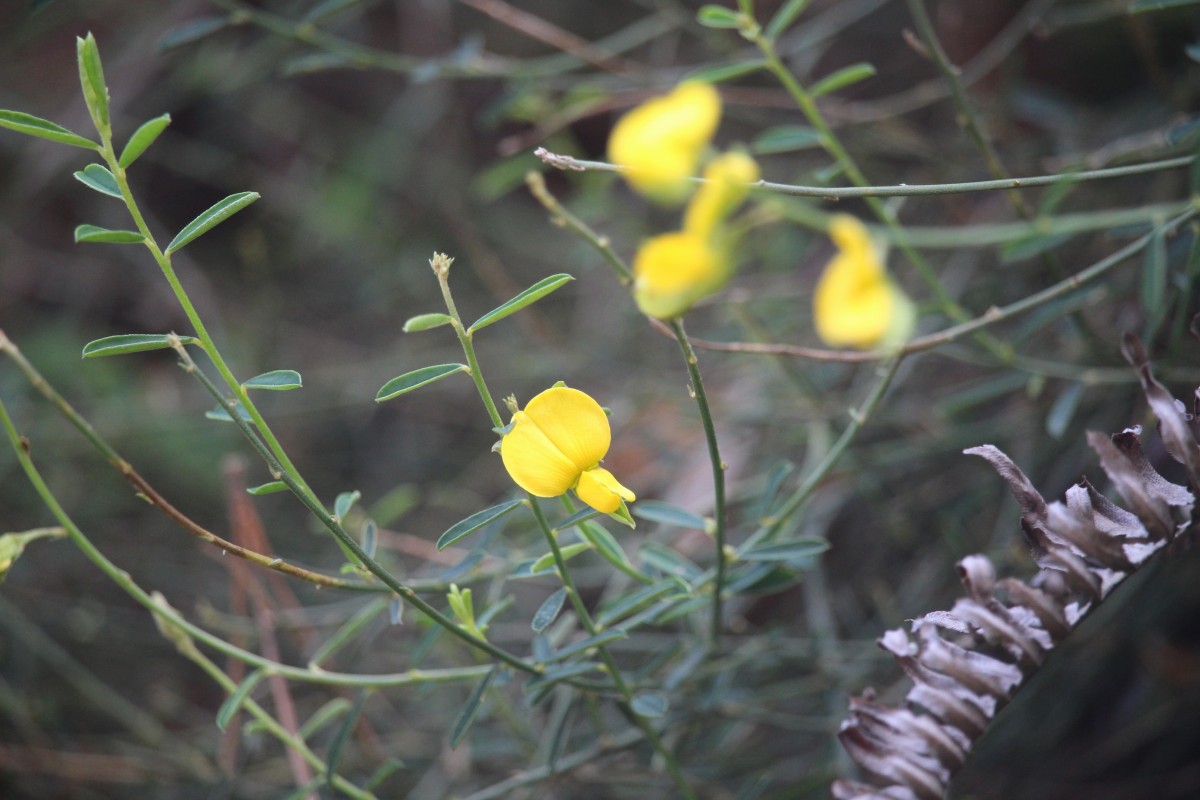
[[683, 609], [211, 218], [1063, 410], [471, 708], [775, 480], [568, 552], [582, 645], [552, 676], [785, 16], [548, 610], [328, 8], [93, 233], [12, 545], [347, 631], [718, 17], [43, 129], [382, 774], [344, 502], [91, 78], [641, 598], [221, 414], [474, 523], [525, 298], [785, 139], [323, 716], [131, 343], [1154, 274], [802, 547], [424, 322], [314, 62], [650, 704], [1141, 6], [279, 380], [416, 379], [668, 514], [234, 702], [99, 178], [370, 537], [142, 138], [725, 72], [610, 550], [668, 561], [842, 78], [333, 761], [576, 518], [191, 32], [268, 488]]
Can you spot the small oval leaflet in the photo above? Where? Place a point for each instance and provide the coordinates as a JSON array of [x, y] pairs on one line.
[[344, 502], [842, 78], [531, 295], [568, 552], [802, 547], [650, 704], [221, 414], [416, 379], [211, 218], [548, 610], [717, 17], [131, 343], [142, 138], [43, 129], [97, 177], [279, 380], [424, 322], [268, 488], [725, 72], [91, 76], [785, 139], [94, 233], [474, 523]]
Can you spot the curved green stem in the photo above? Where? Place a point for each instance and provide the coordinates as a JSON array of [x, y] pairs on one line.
[[718, 471], [441, 268]]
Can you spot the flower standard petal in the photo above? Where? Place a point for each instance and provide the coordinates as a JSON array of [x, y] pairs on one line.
[[574, 423], [534, 462], [660, 141], [602, 491]]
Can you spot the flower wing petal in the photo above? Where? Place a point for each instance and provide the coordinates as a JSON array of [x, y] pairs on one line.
[[602, 491]]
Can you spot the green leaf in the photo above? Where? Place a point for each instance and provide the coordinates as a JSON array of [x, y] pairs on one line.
[[785, 139], [576, 518], [268, 488], [370, 537], [142, 138], [568, 552], [337, 747], [91, 78], [667, 514], [344, 502], [99, 178], [525, 298], [1141, 6], [802, 547], [642, 598], [471, 708], [598, 640], [211, 218], [234, 702], [191, 32], [474, 523], [785, 16], [1154, 284], [650, 704], [548, 610], [279, 380], [1063, 410], [13, 544], [718, 17], [93, 233], [668, 561], [725, 72], [416, 379], [608, 548], [841, 79], [131, 343], [328, 8], [552, 676], [221, 414], [43, 129], [424, 322]]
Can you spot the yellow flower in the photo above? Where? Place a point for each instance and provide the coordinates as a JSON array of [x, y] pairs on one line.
[[856, 304], [660, 142], [556, 444], [675, 270], [728, 180]]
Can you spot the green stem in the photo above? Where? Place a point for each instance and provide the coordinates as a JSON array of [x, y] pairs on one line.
[[614, 672], [441, 267], [718, 471], [334, 526], [559, 215]]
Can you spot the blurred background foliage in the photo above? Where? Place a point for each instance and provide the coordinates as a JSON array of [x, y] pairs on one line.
[[367, 164]]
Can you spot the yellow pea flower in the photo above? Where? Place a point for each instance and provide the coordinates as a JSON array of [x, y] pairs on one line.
[[856, 304], [556, 444], [728, 178], [660, 141]]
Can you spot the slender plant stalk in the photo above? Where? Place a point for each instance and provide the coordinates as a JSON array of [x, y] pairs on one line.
[[441, 268], [718, 473], [559, 215]]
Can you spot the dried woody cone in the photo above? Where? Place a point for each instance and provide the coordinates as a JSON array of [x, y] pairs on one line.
[[1002, 630]]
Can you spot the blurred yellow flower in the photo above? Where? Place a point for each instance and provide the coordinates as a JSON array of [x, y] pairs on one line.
[[660, 142], [856, 304], [673, 271], [556, 444]]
